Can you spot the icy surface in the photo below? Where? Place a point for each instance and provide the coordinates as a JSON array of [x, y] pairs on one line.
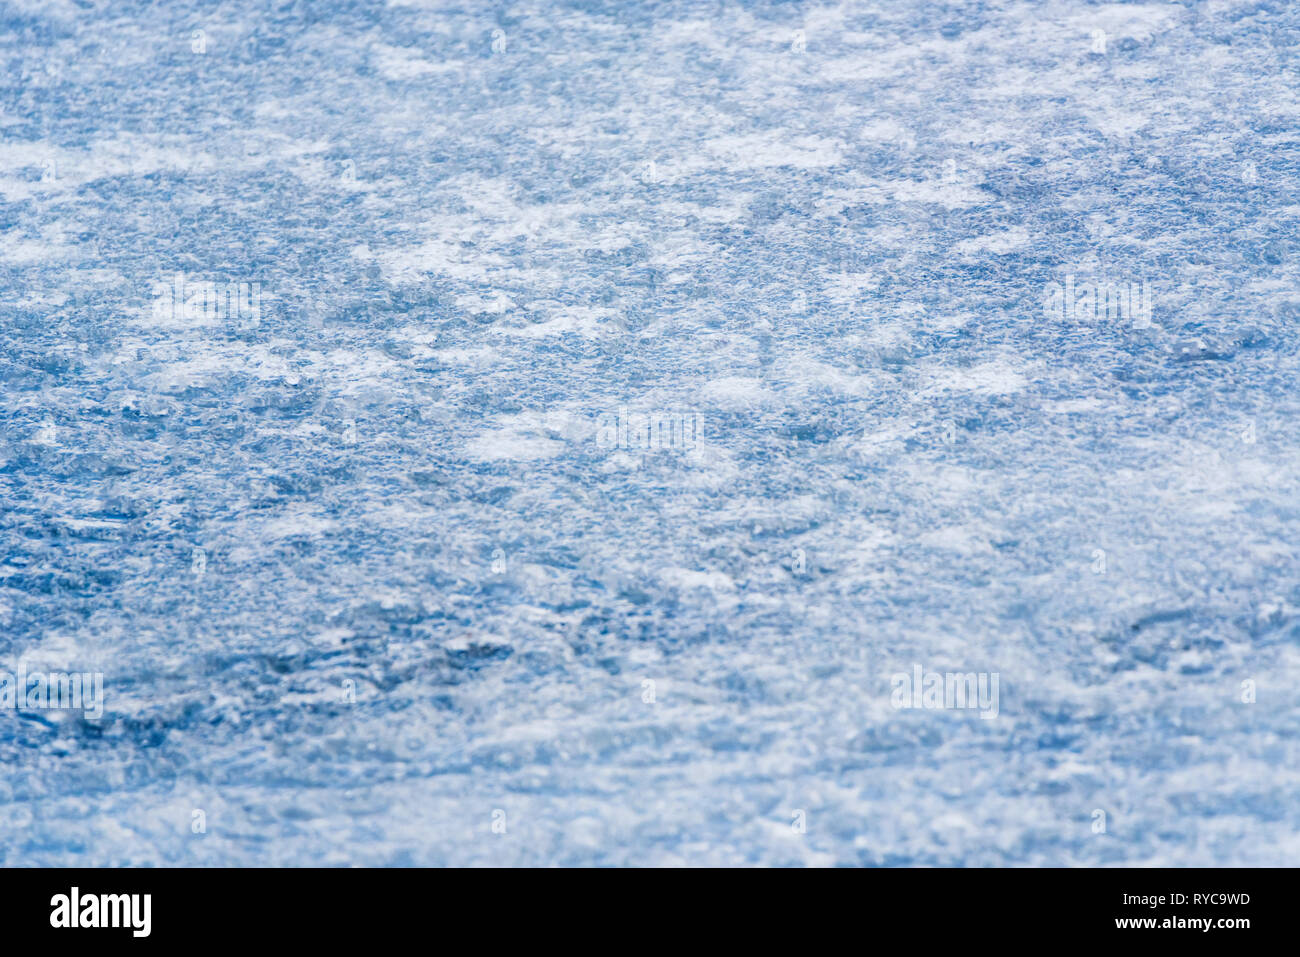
[[429, 598]]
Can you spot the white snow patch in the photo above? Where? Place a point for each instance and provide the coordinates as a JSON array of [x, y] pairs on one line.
[[999, 243]]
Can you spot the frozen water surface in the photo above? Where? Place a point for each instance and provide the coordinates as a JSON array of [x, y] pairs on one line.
[[375, 570]]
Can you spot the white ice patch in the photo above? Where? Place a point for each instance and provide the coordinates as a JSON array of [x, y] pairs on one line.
[[527, 437], [999, 243], [997, 377], [770, 149], [408, 63], [736, 393]]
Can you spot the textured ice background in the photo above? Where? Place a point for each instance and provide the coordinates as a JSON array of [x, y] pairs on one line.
[[838, 259]]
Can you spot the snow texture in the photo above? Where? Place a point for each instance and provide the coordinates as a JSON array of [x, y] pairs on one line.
[[380, 566]]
